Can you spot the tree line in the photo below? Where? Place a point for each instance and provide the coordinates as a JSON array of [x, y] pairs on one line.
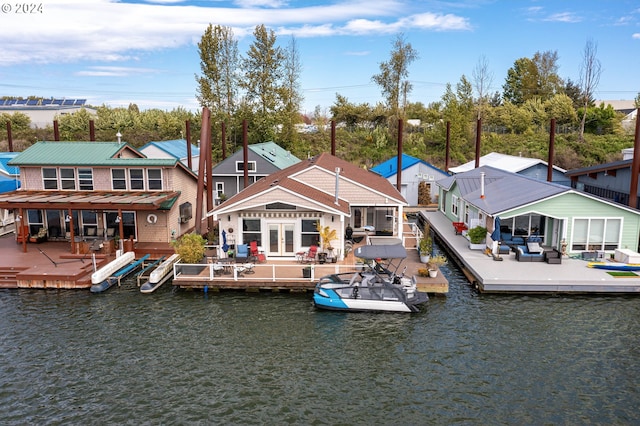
[[262, 89]]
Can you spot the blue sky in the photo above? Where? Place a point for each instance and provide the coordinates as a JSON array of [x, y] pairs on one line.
[[145, 52]]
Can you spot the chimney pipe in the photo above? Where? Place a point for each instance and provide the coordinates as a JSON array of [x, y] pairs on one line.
[[482, 185], [337, 184], [478, 136]]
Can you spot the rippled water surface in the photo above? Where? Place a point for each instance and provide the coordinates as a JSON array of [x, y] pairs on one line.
[[177, 357]]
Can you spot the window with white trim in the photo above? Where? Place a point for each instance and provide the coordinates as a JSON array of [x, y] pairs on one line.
[[219, 189], [119, 179], [67, 179], [154, 179], [454, 205], [309, 235], [85, 179], [251, 166], [136, 179], [49, 178], [596, 234]]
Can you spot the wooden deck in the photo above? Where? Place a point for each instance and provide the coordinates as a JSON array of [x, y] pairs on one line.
[[511, 276], [51, 265]]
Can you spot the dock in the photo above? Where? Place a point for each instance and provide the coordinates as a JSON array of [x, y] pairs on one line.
[[510, 276]]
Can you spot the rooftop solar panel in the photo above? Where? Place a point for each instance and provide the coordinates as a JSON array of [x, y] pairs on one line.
[[80, 101], [10, 102], [32, 102], [21, 102], [68, 102], [1, 102], [57, 102], [46, 101]]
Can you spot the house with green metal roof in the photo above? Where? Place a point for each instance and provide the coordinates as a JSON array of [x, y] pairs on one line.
[[414, 172], [263, 159], [80, 191], [566, 219]]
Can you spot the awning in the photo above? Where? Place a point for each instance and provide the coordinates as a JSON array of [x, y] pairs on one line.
[[89, 200]]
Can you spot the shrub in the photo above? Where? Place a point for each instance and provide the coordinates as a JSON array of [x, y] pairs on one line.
[[477, 235], [190, 247]]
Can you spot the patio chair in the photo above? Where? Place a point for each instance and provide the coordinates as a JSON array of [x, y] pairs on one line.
[[310, 256], [242, 253], [255, 253]]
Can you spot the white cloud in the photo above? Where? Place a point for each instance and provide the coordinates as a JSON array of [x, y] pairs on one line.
[[635, 35], [109, 30], [568, 17], [104, 71]]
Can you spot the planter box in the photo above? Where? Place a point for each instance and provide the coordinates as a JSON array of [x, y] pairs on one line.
[[478, 246]]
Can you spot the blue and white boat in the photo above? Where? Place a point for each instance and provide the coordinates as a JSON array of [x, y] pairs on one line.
[[377, 288]]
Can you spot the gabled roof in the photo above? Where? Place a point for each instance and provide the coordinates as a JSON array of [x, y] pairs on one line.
[[502, 190], [5, 168], [286, 180], [509, 163], [176, 148], [85, 154], [389, 168]]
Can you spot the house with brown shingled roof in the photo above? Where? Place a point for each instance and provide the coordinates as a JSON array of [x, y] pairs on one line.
[[281, 211]]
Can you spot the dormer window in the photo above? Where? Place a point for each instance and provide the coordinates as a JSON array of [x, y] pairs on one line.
[[251, 166]]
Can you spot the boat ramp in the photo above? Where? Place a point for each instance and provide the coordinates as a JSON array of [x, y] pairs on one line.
[[508, 275]]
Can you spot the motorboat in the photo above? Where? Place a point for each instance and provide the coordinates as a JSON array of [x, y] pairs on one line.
[[378, 287]]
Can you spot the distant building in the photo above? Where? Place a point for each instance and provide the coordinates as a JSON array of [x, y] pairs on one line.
[[42, 112], [531, 167], [414, 171], [264, 158], [176, 148]]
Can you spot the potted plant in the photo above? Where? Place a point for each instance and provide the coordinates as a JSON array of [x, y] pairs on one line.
[[477, 238], [327, 235], [435, 263], [425, 247]]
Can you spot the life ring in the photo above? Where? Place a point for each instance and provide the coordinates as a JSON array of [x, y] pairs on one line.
[[152, 218]]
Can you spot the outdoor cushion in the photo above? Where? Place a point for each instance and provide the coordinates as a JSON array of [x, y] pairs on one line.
[[534, 247]]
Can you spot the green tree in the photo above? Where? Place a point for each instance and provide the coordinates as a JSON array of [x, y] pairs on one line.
[[263, 84], [393, 76], [521, 82], [561, 108], [218, 84], [549, 83], [590, 72], [291, 95]]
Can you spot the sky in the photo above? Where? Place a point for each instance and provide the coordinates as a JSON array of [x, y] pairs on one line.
[[145, 52]]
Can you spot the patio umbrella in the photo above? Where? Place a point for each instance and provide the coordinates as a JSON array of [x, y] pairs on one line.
[[225, 246], [495, 235]]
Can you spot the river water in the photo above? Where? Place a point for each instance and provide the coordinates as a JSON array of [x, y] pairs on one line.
[[181, 357]]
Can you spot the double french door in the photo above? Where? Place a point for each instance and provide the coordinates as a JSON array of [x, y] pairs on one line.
[[281, 239]]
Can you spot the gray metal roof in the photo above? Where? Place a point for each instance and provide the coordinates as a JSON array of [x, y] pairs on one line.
[[502, 190]]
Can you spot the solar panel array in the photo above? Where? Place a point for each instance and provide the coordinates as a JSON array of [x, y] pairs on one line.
[[42, 102]]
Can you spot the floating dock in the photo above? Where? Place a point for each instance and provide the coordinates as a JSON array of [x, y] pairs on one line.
[[510, 276]]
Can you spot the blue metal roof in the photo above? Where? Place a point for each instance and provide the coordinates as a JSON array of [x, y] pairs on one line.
[[5, 168], [176, 148], [390, 167]]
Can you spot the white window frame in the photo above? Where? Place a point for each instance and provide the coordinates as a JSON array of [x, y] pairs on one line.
[[455, 206], [49, 180], [219, 189], [67, 183], [590, 243], [122, 179], [150, 179], [85, 179], [250, 164]]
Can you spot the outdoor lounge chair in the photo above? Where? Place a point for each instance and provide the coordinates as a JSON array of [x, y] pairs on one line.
[[255, 252], [310, 256]]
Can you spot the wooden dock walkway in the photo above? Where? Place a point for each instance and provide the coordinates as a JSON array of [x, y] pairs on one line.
[[511, 276]]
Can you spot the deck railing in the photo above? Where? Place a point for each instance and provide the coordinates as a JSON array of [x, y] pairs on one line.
[[265, 272]]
